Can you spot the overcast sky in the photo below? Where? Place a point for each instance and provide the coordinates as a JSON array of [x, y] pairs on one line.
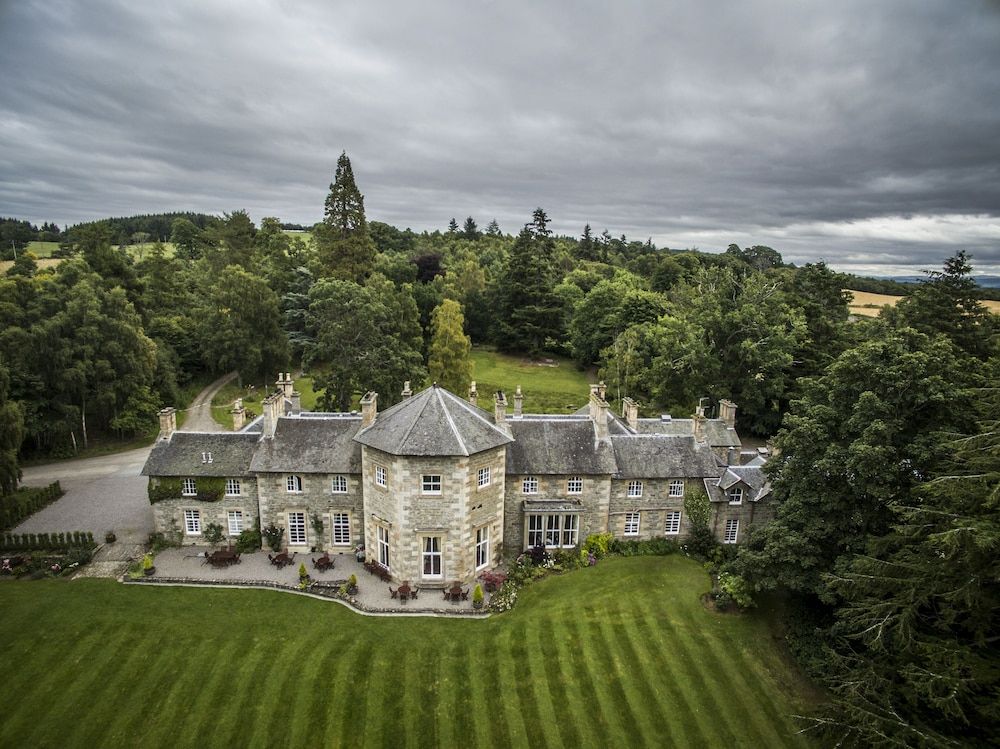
[[863, 133]]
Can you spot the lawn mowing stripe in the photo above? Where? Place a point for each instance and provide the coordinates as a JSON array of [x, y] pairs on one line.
[[528, 705], [410, 680], [638, 688], [82, 697], [706, 682], [733, 666], [511, 673], [557, 677], [379, 674], [661, 653], [335, 713], [389, 703], [480, 695], [551, 710], [271, 729], [499, 722], [456, 659], [212, 690], [253, 666], [614, 678], [661, 701], [599, 729], [427, 697], [309, 705], [47, 676], [353, 681]]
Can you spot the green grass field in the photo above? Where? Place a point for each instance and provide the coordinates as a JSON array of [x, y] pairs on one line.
[[618, 655], [552, 385]]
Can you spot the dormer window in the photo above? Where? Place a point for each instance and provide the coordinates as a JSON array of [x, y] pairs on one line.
[[188, 488], [206, 457], [293, 484], [735, 495]]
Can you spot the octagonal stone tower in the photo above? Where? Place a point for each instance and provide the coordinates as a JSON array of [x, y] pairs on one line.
[[433, 475]]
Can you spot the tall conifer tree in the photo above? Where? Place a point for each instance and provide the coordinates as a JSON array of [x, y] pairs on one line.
[[344, 246]]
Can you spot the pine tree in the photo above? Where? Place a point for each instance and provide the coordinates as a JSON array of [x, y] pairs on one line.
[[529, 312], [493, 229], [452, 226], [470, 230], [586, 249], [344, 246], [449, 362]]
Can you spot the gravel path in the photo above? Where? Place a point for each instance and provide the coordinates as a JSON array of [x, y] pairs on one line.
[[107, 492], [199, 418]]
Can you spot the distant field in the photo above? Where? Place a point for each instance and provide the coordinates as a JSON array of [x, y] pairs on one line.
[[43, 251], [869, 305], [550, 385]]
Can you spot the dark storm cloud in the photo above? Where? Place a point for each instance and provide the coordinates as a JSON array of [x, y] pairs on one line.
[[863, 133]]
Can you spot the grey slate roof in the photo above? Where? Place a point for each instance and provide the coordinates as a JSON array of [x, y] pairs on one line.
[[563, 446], [758, 486], [717, 434], [311, 444], [433, 422], [181, 455], [659, 456]]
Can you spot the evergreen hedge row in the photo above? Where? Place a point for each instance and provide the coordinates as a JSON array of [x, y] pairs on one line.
[[47, 541], [26, 501], [208, 488]]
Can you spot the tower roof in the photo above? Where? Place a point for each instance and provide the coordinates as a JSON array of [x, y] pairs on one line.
[[433, 422]]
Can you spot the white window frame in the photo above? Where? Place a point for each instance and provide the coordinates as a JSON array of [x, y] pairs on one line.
[[340, 523], [676, 488], [297, 528], [574, 485], [553, 531], [430, 554], [536, 530], [483, 479], [382, 545], [735, 494], [192, 523], [672, 523], [482, 547], [529, 485], [235, 520], [338, 484], [632, 520], [732, 533], [381, 476], [570, 530], [430, 483], [234, 487], [189, 488], [293, 484], [634, 489]]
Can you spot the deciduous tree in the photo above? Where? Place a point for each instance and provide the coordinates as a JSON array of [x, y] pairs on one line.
[[450, 361]]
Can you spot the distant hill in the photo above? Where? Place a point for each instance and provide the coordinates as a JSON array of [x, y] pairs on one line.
[[987, 282]]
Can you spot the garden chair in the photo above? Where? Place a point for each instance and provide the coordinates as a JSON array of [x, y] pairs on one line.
[[393, 593], [465, 594]]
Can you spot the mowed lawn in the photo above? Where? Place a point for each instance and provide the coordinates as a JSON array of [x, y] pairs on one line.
[[621, 655]]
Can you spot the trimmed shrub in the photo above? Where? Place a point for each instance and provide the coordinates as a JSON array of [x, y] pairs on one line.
[[30, 542], [26, 501], [477, 596], [248, 540], [273, 534], [598, 544]]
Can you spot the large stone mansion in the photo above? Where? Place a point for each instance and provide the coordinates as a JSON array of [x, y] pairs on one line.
[[436, 488]]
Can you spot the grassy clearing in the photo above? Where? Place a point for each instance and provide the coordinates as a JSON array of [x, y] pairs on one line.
[[622, 654], [552, 385], [870, 305]]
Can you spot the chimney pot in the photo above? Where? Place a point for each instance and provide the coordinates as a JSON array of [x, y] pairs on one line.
[[518, 403], [407, 393], [369, 408], [473, 394]]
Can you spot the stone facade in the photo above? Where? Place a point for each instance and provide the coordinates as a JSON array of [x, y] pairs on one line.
[[437, 490]]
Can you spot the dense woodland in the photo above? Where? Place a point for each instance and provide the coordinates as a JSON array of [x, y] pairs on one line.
[[887, 478]]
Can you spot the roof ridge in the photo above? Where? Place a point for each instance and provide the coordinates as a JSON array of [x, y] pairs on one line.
[[451, 422], [413, 424], [474, 410]]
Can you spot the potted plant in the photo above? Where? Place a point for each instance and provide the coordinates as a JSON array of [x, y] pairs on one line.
[[352, 585], [110, 537], [213, 534], [147, 565], [303, 577], [477, 597]]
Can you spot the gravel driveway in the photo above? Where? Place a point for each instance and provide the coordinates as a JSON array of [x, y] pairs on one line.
[[107, 492]]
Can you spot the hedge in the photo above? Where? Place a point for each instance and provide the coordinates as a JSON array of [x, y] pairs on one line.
[[26, 501], [46, 541]]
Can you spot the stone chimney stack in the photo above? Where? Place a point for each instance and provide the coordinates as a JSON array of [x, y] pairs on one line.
[[473, 394], [369, 408], [168, 422], [407, 393], [296, 399], [698, 421], [727, 412], [273, 407], [599, 412], [280, 385], [602, 390], [518, 403], [239, 415], [500, 411], [630, 410]]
